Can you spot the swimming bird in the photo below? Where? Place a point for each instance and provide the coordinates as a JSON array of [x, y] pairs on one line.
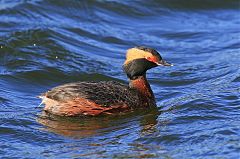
[[108, 97]]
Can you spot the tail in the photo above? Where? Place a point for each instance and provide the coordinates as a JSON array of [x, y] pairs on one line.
[[43, 100]]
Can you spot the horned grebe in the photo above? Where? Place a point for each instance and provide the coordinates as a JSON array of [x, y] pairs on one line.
[[108, 97]]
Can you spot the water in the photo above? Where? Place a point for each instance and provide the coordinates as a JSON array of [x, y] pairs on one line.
[[47, 43]]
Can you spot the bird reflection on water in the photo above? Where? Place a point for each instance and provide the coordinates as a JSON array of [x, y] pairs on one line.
[[89, 126]]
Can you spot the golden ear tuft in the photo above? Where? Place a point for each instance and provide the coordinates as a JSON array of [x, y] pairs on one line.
[[135, 53]]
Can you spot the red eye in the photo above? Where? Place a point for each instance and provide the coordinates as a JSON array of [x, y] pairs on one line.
[[152, 59], [149, 59]]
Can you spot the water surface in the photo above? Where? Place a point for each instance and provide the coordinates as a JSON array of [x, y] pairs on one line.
[[44, 43]]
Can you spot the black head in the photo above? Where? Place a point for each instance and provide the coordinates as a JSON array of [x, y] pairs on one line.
[[140, 59]]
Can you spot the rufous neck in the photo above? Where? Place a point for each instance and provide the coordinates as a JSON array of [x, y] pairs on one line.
[[141, 84]]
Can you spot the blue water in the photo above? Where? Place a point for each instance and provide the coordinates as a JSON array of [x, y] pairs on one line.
[[44, 43]]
